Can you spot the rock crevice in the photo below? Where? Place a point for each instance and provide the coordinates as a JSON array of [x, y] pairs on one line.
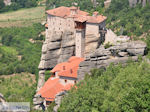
[[119, 53]]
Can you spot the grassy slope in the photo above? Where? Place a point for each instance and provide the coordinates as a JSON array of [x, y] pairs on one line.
[[20, 87], [23, 17]]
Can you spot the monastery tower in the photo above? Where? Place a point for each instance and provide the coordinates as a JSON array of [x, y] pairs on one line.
[[80, 39]]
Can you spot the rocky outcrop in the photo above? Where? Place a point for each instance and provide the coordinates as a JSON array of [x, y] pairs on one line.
[[2, 102], [7, 2], [57, 48], [119, 53], [39, 103], [58, 99], [112, 38], [133, 3], [2, 98], [107, 3]]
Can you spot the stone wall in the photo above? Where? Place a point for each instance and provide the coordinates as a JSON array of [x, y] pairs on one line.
[[118, 53]]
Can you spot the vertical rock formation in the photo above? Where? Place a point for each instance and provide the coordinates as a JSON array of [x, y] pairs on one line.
[[119, 53], [133, 3], [57, 48], [107, 3], [7, 2]]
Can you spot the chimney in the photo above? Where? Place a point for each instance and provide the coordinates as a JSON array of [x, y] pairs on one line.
[[73, 10], [95, 14]]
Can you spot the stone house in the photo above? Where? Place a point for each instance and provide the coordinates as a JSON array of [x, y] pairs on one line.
[[64, 76], [69, 32], [72, 19]]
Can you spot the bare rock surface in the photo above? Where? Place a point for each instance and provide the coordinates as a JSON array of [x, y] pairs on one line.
[[133, 3], [119, 53], [58, 99]]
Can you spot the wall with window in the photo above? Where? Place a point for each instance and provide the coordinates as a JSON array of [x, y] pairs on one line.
[[67, 80]]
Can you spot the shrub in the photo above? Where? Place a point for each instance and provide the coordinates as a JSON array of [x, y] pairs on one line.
[[119, 88]]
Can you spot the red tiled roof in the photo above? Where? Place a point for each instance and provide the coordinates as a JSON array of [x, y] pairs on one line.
[[46, 25], [64, 11], [73, 8], [51, 88], [65, 68], [69, 73], [59, 67], [80, 16], [97, 19]]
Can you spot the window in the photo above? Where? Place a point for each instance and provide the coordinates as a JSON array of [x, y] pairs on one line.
[[63, 67], [71, 71], [65, 81]]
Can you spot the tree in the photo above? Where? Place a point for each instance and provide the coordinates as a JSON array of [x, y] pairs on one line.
[[2, 5]]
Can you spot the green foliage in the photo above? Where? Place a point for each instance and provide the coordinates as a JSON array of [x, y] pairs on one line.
[[2, 5], [133, 21], [118, 89], [18, 88], [50, 107], [16, 40], [47, 75], [17, 4], [83, 4], [107, 45]]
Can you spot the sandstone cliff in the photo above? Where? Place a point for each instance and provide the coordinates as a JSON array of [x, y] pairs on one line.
[[133, 3], [7, 2], [119, 53], [59, 47]]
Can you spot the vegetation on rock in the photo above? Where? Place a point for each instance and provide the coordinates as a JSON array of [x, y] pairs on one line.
[[117, 89], [128, 21]]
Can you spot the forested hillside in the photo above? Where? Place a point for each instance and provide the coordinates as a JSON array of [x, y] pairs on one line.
[[128, 21], [17, 53], [17, 4], [83, 4], [118, 89]]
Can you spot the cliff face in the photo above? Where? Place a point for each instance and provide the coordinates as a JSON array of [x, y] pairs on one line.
[[133, 3], [118, 53], [7, 2], [58, 47]]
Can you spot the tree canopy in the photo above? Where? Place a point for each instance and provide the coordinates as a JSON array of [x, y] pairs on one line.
[[118, 89]]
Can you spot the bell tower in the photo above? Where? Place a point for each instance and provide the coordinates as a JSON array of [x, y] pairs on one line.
[[80, 38]]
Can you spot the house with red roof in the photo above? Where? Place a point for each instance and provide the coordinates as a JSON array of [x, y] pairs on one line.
[[64, 77], [72, 19]]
